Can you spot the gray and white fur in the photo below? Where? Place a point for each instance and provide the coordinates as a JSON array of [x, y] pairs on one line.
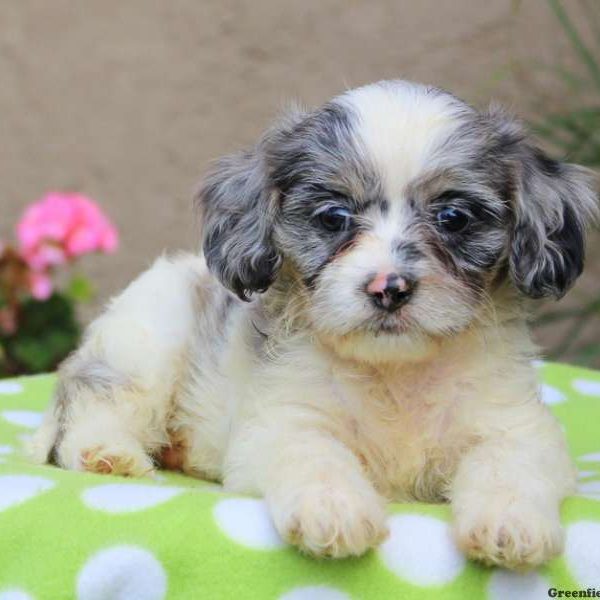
[[353, 332]]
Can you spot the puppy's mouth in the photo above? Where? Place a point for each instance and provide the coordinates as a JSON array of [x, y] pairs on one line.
[[396, 324]]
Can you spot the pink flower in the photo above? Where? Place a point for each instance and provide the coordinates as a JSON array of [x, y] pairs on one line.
[[62, 227], [40, 285], [109, 240], [44, 256]]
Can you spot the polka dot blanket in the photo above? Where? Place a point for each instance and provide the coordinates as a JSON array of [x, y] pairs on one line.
[[93, 537]]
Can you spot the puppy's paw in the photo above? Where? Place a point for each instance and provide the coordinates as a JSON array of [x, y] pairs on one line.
[[127, 462], [124, 457], [328, 521], [511, 533]]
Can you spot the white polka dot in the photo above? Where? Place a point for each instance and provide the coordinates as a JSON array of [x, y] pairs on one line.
[[582, 552], [23, 418], [15, 489], [593, 457], [517, 586], [6, 449], [420, 550], [315, 592], [538, 364], [127, 497], [122, 573], [247, 522], [14, 594], [10, 388], [587, 387], [590, 489], [550, 395]]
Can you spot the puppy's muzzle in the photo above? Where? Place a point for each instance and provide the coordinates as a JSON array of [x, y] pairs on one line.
[[390, 291]]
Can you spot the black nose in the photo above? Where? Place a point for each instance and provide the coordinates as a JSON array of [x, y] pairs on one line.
[[395, 292]]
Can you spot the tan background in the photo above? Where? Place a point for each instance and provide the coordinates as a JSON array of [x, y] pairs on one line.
[[129, 101]]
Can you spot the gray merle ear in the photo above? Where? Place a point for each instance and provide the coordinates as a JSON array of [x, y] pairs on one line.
[[557, 202], [554, 204], [238, 206]]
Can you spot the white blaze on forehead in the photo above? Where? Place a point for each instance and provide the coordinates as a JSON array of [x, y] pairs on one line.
[[400, 125]]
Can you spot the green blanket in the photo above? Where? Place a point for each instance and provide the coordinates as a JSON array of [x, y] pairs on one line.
[[93, 537]]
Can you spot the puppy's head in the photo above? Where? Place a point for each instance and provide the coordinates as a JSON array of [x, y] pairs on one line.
[[400, 210]]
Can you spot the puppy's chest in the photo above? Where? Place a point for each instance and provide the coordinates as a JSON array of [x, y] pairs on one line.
[[407, 428]]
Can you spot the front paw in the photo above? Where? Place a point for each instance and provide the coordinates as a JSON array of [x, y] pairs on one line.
[[508, 533], [329, 521]]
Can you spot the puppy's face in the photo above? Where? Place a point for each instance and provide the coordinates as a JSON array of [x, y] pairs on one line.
[[393, 230], [400, 210]]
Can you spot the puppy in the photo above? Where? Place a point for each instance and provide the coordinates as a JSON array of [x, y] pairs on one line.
[[354, 333]]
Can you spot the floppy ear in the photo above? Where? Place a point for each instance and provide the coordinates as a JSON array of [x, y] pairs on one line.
[[238, 206], [554, 204]]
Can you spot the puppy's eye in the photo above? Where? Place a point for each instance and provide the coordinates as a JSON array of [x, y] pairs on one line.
[[335, 218], [452, 219]]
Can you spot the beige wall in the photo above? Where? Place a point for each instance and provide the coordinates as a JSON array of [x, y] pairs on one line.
[[128, 101]]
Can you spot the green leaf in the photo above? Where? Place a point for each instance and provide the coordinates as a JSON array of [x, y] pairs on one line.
[[587, 354], [592, 13], [80, 289], [48, 332], [575, 81], [575, 133], [585, 55]]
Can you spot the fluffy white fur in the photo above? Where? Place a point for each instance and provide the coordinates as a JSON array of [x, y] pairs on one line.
[[330, 423]]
